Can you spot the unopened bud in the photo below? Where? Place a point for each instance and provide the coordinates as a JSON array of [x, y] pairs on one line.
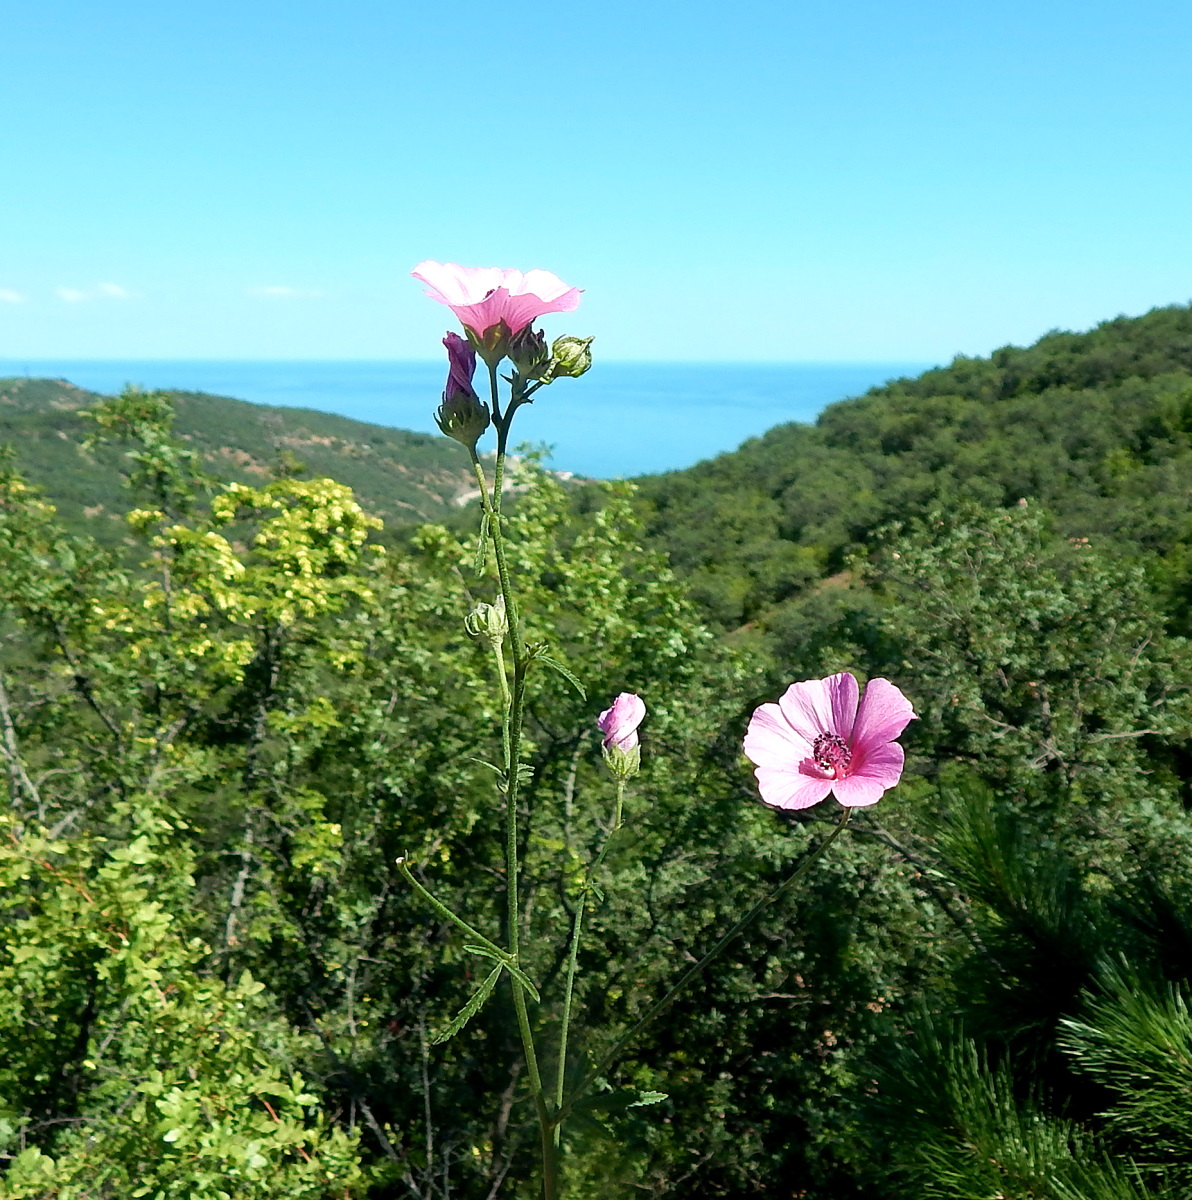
[[624, 764], [618, 723], [528, 353], [488, 621], [492, 345], [570, 357], [463, 417]]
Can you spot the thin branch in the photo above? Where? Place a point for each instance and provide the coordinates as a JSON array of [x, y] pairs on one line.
[[18, 777]]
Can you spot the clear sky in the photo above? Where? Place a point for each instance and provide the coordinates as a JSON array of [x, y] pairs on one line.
[[761, 179]]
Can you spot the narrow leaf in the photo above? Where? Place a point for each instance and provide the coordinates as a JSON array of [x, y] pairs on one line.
[[486, 952], [507, 963], [562, 670], [483, 762], [470, 1009], [645, 1098], [525, 981]]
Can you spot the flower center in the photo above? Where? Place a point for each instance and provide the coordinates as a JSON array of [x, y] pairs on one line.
[[831, 754]]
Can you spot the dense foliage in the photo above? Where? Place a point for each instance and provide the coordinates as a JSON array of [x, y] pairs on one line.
[[1096, 427], [215, 982]]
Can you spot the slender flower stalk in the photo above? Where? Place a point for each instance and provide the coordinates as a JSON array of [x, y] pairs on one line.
[[577, 925], [512, 715]]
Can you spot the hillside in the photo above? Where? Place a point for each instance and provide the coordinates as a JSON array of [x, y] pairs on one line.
[[1095, 426], [402, 477]]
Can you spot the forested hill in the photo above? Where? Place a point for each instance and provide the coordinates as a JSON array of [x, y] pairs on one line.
[[1096, 426], [402, 477]]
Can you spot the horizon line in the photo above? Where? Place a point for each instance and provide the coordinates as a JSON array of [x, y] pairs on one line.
[[670, 362]]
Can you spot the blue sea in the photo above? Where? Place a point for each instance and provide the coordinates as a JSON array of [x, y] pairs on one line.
[[620, 419]]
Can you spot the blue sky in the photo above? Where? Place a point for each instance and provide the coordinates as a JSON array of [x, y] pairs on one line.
[[762, 180]]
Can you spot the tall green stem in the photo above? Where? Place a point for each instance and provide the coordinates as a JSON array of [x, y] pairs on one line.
[[511, 730], [572, 957]]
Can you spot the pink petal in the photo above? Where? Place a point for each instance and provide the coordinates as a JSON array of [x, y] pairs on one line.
[[884, 713], [484, 296], [485, 313], [879, 771], [771, 742], [547, 286], [521, 310], [620, 720], [791, 787], [451, 284], [818, 706]]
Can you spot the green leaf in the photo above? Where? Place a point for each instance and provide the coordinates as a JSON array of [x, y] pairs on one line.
[[486, 952], [645, 1098], [555, 665], [525, 981], [469, 1010], [505, 961]]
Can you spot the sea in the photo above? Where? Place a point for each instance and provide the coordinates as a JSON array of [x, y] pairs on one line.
[[619, 420]]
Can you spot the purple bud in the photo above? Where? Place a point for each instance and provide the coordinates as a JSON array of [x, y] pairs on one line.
[[461, 366]]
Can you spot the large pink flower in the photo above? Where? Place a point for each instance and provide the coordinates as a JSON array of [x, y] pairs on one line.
[[484, 296], [817, 740]]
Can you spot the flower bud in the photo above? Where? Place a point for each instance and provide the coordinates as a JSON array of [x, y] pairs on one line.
[[624, 764], [462, 415], [492, 345], [488, 621], [528, 353], [570, 357], [619, 723], [461, 366], [464, 418]]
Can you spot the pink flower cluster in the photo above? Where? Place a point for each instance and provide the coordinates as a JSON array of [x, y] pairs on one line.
[[822, 737]]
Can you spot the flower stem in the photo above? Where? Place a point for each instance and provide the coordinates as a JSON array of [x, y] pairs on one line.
[[659, 1007], [511, 731], [572, 956]]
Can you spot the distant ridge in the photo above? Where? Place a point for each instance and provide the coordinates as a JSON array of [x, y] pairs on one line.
[[402, 477], [1096, 427]]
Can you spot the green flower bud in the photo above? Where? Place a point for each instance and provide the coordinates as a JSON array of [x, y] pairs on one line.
[[463, 417], [528, 353], [624, 764], [492, 345], [570, 357], [488, 621]]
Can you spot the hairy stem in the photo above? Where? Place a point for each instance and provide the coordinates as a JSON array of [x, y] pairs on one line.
[[573, 955], [511, 731]]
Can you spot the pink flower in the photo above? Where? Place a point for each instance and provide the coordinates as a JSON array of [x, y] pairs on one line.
[[619, 723], [817, 740], [485, 296]]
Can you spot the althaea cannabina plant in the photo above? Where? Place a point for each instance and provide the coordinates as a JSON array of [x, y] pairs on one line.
[[818, 739]]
